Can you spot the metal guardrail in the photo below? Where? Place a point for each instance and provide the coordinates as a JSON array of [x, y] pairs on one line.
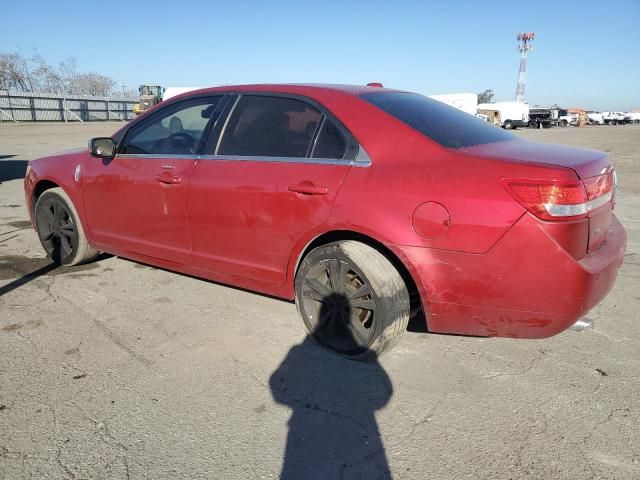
[[49, 107]]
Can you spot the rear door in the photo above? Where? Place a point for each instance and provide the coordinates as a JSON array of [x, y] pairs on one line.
[[271, 178], [137, 201]]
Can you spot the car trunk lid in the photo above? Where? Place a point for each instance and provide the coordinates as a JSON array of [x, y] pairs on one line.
[[563, 206], [585, 162]]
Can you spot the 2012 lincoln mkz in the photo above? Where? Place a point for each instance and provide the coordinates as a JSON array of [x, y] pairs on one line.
[[365, 205]]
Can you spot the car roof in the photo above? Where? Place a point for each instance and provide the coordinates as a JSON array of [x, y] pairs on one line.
[[295, 88]]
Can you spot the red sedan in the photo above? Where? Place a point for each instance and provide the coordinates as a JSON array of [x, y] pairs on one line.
[[362, 203]]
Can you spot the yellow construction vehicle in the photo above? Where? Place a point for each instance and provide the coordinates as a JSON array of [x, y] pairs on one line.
[[150, 95]]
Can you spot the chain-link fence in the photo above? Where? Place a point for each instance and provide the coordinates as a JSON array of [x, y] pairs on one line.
[[45, 107]]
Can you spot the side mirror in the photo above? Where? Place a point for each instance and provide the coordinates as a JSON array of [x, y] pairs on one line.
[[102, 147]]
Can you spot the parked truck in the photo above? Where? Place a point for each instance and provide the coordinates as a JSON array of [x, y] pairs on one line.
[[507, 115], [541, 118], [595, 118], [615, 118]]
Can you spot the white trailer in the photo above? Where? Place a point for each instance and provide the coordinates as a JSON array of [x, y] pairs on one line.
[[175, 91], [596, 118], [507, 115], [467, 102]]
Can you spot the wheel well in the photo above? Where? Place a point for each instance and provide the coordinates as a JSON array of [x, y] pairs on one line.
[[39, 189], [417, 319]]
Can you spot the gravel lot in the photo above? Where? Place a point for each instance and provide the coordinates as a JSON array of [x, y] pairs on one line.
[[119, 370]]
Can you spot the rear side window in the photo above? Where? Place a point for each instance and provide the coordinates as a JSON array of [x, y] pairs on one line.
[[448, 126], [270, 127], [330, 143]]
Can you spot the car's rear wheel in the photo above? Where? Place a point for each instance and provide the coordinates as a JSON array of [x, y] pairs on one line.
[[59, 229], [508, 125], [352, 299]]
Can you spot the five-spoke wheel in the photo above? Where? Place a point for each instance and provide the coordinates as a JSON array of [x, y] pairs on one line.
[[352, 300], [59, 230]]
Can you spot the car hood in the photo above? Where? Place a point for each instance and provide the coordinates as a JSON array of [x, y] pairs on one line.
[[61, 153]]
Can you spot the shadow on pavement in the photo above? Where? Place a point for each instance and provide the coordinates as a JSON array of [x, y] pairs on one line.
[[333, 433], [12, 169], [19, 282], [22, 270]]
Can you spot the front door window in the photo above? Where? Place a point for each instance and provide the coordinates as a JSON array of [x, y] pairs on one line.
[[176, 131]]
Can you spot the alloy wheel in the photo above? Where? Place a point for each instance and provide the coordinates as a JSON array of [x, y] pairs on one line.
[[56, 229], [339, 306]]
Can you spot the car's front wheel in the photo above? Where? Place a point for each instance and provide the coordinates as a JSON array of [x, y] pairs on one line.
[[59, 229], [352, 299]]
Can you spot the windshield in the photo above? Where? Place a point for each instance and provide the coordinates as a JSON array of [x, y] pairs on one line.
[[448, 126]]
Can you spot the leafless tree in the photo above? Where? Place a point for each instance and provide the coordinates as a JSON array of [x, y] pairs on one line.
[[91, 84], [14, 72], [34, 74], [485, 97], [48, 78]]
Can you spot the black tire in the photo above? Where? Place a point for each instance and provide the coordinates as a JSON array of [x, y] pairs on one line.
[[533, 124], [564, 123], [508, 125], [352, 300], [60, 231]]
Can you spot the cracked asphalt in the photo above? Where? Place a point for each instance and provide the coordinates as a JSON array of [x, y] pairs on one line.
[[119, 370]]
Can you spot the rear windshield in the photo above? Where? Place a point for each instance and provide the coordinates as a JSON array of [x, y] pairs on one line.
[[448, 126]]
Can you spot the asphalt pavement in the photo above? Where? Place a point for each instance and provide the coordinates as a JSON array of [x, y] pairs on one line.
[[115, 369]]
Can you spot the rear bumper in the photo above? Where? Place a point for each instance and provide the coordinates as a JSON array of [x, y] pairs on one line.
[[526, 286]]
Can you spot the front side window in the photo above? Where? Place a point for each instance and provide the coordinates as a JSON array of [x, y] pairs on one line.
[[177, 130], [269, 127]]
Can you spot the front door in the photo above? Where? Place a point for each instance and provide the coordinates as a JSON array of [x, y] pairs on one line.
[[272, 179], [136, 201]]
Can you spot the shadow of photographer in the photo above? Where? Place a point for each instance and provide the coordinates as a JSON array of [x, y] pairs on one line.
[[333, 433]]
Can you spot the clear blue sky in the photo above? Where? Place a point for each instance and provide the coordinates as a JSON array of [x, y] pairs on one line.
[[586, 52]]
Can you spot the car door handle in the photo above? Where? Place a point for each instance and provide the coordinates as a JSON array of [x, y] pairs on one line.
[[308, 188], [168, 179]]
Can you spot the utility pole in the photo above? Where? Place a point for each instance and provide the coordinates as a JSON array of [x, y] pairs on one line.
[[524, 47]]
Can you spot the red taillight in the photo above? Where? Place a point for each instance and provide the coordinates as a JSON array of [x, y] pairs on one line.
[[599, 186], [558, 200], [375, 84]]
